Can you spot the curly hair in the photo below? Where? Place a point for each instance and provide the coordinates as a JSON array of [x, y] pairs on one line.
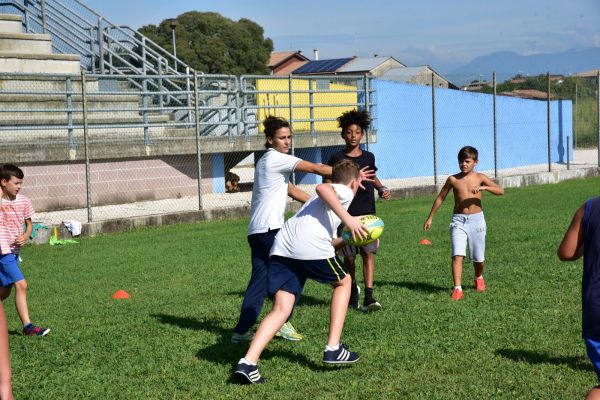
[[273, 124], [354, 117]]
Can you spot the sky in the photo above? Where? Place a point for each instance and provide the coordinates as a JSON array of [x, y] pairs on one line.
[[443, 34]]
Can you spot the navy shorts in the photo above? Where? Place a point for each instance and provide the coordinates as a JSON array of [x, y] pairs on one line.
[[290, 275], [9, 270], [593, 351]]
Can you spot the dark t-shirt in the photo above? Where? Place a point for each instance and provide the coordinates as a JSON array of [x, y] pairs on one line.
[[590, 287], [364, 201]]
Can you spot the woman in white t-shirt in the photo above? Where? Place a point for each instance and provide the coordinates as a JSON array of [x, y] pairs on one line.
[[271, 188]]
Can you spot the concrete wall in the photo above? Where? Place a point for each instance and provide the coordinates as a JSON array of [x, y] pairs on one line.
[[404, 145], [120, 181]]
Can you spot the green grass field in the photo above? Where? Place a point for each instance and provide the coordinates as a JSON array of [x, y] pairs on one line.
[[519, 340]]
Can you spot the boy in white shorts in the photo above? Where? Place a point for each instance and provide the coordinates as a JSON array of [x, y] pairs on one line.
[[468, 223]]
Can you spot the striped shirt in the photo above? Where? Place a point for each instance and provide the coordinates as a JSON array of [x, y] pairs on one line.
[[13, 214]]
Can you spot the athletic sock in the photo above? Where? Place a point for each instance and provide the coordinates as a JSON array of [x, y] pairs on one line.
[[459, 287], [479, 277], [368, 295], [244, 361], [332, 348]]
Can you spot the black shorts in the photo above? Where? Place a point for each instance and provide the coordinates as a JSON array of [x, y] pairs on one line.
[[290, 275]]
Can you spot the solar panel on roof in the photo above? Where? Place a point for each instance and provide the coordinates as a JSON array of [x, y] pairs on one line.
[[318, 66]]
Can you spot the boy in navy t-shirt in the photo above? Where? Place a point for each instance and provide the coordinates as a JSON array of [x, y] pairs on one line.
[[353, 125]]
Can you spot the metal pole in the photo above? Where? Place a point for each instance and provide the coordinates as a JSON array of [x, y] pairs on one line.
[[88, 174], [43, 9], [548, 118], [188, 88], [575, 118], [435, 177], [174, 48], [290, 93], [366, 88], [69, 90], [568, 156], [101, 45], [198, 156], [495, 131], [311, 102]]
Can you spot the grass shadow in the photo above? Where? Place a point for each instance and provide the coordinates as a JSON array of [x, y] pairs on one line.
[[223, 351], [423, 287], [532, 357]]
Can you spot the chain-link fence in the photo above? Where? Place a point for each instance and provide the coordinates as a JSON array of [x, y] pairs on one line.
[[102, 147]]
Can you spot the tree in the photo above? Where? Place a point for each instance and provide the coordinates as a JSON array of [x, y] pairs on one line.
[[213, 44]]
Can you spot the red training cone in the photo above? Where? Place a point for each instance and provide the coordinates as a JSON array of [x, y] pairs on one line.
[[121, 294], [425, 242]]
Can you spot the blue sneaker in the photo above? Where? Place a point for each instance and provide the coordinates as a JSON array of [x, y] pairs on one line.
[[248, 374], [342, 355]]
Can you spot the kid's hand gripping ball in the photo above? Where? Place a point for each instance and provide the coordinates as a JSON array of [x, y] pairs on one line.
[[374, 226]]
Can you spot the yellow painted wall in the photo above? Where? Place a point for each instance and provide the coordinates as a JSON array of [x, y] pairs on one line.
[[300, 102]]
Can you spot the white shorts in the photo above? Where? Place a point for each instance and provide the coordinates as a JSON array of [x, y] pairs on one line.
[[351, 251], [471, 228]]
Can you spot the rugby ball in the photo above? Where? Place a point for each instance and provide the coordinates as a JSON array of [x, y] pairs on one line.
[[374, 226]]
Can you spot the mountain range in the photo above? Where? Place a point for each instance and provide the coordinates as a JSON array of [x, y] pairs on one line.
[[508, 64]]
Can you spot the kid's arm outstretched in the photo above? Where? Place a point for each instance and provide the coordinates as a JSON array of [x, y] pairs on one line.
[[437, 203]]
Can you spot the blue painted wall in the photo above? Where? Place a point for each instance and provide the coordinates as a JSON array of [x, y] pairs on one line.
[[404, 147]]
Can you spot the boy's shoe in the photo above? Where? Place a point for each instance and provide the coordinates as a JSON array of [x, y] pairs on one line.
[[248, 374], [457, 294], [370, 305], [238, 338], [32, 330], [288, 332], [354, 296], [479, 285], [342, 355]]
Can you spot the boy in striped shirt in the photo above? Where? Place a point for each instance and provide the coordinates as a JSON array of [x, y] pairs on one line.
[[15, 211]]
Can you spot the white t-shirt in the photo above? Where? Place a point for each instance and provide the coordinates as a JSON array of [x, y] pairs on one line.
[[270, 190], [308, 234]]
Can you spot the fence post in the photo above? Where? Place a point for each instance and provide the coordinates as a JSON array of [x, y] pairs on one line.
[[568, 155], [575, 117], [43, 10], [101, 45], [435, 174], [160, 85], [69, 90], [88, 183], [145, 117], [548, 118], [495, 131], [188, 88], [198, 155], [311, 102], [290, 93], [366, 89]]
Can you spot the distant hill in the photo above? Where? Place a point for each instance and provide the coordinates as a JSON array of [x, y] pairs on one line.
[[508, 64]]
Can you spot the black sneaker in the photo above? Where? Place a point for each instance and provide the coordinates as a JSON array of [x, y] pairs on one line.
[[370, 305], [342, 355], [354, 296], [248, 374]]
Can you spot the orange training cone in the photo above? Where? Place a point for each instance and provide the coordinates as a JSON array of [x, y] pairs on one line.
[[425, 242], [121, 294]]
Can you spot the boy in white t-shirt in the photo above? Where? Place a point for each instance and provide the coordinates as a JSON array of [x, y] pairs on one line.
[[305, 248]]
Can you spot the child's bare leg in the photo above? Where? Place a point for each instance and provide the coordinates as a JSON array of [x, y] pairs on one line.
[[350, 264], [4, 292], [5, 375], [593, 394], [339, 306], [21, 301], [457, 262], [282, 307], [478, 268], [369, 268]]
